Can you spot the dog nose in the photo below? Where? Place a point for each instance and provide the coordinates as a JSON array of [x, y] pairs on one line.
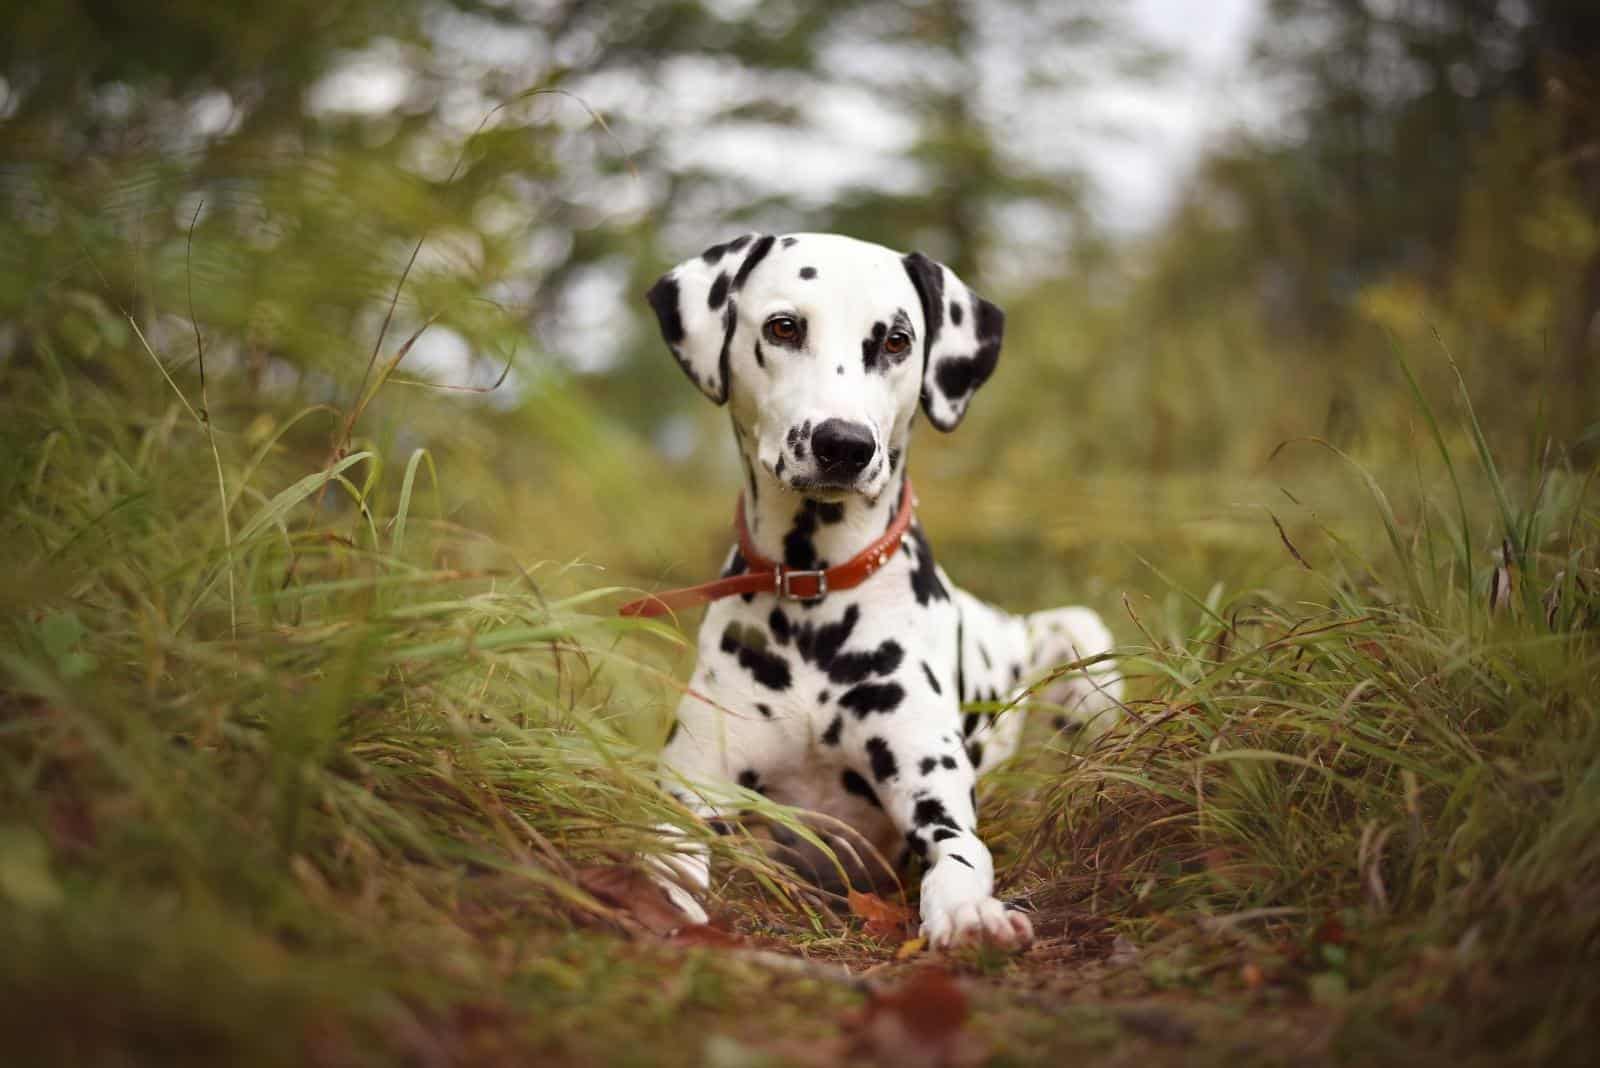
[[842, 449]]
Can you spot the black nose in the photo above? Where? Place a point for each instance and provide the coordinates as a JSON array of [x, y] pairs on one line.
[[843, 450]]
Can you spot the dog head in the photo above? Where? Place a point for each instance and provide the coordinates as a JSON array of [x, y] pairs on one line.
[[822, 345]]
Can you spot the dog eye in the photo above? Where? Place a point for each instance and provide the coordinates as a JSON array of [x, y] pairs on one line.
[[896, 343], [782, 330]]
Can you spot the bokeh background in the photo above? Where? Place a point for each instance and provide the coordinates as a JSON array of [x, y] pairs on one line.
[[333, 428], [1214, 227]]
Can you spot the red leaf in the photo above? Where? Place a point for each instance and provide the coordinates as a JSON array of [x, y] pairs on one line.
[[703, 934], [883, 919]]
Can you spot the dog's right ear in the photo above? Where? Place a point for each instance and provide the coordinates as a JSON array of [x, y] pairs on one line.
[[696, 304]]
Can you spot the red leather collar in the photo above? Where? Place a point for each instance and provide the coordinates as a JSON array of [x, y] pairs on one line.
[[769, 576]]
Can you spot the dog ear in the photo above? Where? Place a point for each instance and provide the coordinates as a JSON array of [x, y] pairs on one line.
[[696, 304], [961, 342]]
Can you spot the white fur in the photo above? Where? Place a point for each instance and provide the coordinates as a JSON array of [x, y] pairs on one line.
[[851, 706]]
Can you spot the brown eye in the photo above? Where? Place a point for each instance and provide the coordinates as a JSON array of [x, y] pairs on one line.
[[782, 330], [896, 343]]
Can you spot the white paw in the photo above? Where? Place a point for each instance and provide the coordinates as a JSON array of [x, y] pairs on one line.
[[684, 902], [669, 872], [984, 921]]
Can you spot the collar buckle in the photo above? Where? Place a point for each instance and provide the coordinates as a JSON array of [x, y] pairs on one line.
[[783, 584]]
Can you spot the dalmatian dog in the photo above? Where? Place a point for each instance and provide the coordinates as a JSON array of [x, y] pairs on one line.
[[824, 350]]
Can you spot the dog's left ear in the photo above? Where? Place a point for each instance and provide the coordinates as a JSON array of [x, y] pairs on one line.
[[696, 304], [961, 343]]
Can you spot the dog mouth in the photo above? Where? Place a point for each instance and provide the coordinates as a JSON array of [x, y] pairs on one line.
[[829, 486]]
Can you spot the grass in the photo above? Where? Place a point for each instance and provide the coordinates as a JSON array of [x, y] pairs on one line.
[[324, 773]]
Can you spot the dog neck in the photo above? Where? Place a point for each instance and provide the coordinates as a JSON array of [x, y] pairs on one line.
[[807, 534]]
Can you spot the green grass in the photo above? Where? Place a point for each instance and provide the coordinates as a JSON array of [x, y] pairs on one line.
[[304, 761]]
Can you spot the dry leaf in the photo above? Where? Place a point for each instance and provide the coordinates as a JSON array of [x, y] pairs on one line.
[[633, 892], [704, 934], [910, 948], [883, 919]]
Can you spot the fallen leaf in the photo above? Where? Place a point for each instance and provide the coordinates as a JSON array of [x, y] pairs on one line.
[[634, 893], [910, 948], [704, 934], [1251, 976], [882, 919]]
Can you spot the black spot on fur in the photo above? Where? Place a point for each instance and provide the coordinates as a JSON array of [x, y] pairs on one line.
[[894, 459], [663, 300], [927, 764], [944, 834], [719, 292], [758, 252], [796, 439], [918, 846], [820, 644], [761, 357], [766, 712], [750, 780], [969, 723], [729, 321], [931, 812], [975, 753], [871, 345], [927, 278], [961, 671], [854, 784], [839, 369], [983, 654], [959, 859], [955, 313], [870, 697], [831, 735], [924, 578], [713, 254], [848, 668], [949, 762], [808, 272], [778, 623], [748, 646], [932, 682], [777, 468], [822, 698], [830, 511], [958, 376], [790, 242], [798, 551], [884, 765]]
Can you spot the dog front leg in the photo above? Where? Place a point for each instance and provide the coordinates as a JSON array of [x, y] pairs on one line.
[[698, 757], [937, 816]]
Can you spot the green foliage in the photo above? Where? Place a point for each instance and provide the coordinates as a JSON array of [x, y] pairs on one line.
[[312, 708]]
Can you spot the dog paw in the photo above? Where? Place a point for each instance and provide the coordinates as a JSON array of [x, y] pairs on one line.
[[667, 874], [986, 921]]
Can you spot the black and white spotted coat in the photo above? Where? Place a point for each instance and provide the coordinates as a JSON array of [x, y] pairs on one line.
[[852, 705]]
